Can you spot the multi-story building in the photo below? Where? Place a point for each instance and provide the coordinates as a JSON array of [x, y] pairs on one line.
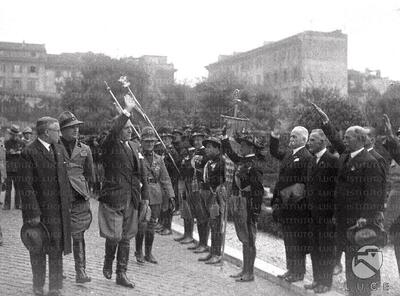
[[287, 67], [161, 73]]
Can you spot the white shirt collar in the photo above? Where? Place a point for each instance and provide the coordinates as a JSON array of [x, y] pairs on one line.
[[249, 155], [320, 153], [355, 153], [297, 149], [45, 144]]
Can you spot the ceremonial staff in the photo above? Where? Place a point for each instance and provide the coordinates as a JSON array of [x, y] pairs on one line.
[[119, 107]]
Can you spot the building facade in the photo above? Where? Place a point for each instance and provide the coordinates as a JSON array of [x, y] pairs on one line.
[[289, 66]]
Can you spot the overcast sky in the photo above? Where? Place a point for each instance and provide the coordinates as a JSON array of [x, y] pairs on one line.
[[193, 33]]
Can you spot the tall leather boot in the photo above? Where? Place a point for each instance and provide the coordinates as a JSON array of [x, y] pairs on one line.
[[79, 256], [148, 245], [122, 265], [204, 232], [139, 248], [110, 249], [185, 232], [167, 223], [189, 237]]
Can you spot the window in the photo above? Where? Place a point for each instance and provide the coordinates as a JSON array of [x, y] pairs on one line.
[[32, 84], [17, 69], [275, 77], [2, 82], [17, 84], [32, 69], [33, 54], [285, 76], [2, 68]]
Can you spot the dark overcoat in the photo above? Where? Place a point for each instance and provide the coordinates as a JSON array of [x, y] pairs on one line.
[[46, 191]]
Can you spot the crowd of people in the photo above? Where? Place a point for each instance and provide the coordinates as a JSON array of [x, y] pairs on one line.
[[328, 200]]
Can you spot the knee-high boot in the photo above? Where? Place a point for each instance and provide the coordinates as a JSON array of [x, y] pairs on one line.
[[80, 259], [139, 247], [122, 265], [110, 249], [149, 238]]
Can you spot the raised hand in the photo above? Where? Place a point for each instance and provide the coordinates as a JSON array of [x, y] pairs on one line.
[[388, 125], [129, 103], [322, 114]]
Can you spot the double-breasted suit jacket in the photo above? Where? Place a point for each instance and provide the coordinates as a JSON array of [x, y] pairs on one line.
[[320, 187], [292, 170], [46, 191], [359, 191], [124, 172]]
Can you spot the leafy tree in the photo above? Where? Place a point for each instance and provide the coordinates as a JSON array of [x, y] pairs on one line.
[[86, 95], [341, 113]]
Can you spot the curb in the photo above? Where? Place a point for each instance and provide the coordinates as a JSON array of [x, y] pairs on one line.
[[262, 269]]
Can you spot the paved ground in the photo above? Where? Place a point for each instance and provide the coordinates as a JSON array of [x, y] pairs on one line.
[[178, 271]]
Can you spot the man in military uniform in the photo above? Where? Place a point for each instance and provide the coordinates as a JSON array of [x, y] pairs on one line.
[[159, 184], [124, 188], [13, 147], [79, 161], [247, 194], [197, 207], [27, 135], [168, 207], [213, 195]]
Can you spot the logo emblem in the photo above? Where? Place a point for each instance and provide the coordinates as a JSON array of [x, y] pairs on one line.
[[367, 262]]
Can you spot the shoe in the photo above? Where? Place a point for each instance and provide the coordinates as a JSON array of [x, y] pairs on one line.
[[150, 258], [139, 258], [123, 280], [166, 231], [237, 275], [158, 227], [246, 277], [201, 249], [55, 292], [292, 278], [194, 247], [338, 269], [187, 240], [38, 291], [179, 238], [283, 276], [208, 257], [310, 286], [214, 260], [319, 289]]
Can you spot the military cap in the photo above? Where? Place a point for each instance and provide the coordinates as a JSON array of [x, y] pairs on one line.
[[27, 130], [67, 119], [148, 134], [165, 132], [198, 131], [213, 140], [177, 131], [251, 140]]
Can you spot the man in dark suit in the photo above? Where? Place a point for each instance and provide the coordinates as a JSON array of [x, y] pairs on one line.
[[338, 144], [358, 200], [292, 214], [46, 193], [124, 188], [321, 179]]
